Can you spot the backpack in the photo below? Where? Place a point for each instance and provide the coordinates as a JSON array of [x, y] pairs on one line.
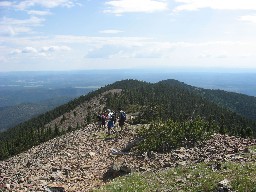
[[113, 117], [123, 116], [99, 117]]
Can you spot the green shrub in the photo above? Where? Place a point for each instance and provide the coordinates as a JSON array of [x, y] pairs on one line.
[[163, 136]]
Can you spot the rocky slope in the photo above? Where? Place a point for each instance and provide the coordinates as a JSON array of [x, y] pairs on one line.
[[79, 115], [85, 159]]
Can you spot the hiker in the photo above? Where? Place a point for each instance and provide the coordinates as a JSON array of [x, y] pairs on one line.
[[99, 119], [110, 125], [109, 114], [122, 119], [103, 120], [113, 117]]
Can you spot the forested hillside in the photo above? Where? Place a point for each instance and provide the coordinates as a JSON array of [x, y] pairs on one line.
[[14, 115], [21, 104], [169, 99], [242, 104], [178, 101]]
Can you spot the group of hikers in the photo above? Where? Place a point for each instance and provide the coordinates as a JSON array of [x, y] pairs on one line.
[[110, 118]]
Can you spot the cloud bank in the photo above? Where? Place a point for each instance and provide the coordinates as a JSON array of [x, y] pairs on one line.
[[119, 7], [192, 5], [24, 5]]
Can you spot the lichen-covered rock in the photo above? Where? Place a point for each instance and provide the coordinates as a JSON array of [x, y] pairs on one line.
[[224, 186]]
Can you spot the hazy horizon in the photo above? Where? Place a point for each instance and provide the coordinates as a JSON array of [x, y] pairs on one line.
[[164, 70], [235, 81]]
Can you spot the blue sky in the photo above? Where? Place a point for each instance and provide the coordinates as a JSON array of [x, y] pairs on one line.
[[45, 35]]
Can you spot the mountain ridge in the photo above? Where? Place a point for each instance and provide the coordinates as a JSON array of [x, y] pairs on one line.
[[165, 99], [64, 149]]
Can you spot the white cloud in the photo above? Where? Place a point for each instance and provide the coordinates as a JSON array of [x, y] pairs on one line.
[[23, 5], [249, 18], [40, 13], [222, 56], [10, 30], [81, 49], [15, 51], [129, 6], [32, 21], [101, 41], [6, 3], [55, 48], [14, 26], [168, 50], [26, 5], [44, 51], [29, 50], [10, 26], [191, 5], [111, 31], [138, 47]]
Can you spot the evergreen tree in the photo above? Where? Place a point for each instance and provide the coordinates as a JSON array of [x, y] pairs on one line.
[[56, 130]]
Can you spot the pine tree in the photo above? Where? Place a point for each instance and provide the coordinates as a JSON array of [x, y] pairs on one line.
[[56, 130]]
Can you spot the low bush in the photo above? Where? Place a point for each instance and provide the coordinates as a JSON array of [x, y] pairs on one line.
[[163, 136]]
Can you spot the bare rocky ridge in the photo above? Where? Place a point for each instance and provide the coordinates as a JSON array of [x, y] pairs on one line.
[[85, 159], [82, 160], [78, 116]]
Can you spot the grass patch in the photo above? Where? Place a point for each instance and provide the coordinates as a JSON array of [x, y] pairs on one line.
[[253, 148], [194, 178]]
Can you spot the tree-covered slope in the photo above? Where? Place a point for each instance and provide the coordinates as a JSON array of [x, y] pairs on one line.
[[14, 115], [176, 100], [242, 104]]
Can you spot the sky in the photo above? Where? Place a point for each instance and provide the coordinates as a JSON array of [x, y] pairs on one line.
[[54, 35]]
